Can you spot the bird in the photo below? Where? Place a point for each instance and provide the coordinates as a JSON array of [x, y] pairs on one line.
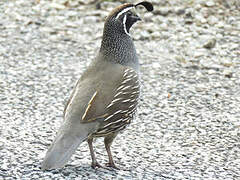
[[105, 98]]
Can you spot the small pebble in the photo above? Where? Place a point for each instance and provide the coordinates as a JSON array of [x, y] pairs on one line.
[[210, 43]]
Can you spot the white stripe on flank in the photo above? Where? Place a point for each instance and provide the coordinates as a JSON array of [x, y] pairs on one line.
[[133, 105], [112, 115], [135, 76], [89, 105], [109, 105], [115, 100], [120, 87], [135, 92], [108, 117], [132, 96], [131, 75], [126, 100], [126, 80], [126, 87], [116, 95], [126, 72], [71, 100], [123, 11], [136, 87], [114, 122]]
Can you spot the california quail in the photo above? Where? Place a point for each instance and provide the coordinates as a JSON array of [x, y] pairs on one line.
[[106, 96]]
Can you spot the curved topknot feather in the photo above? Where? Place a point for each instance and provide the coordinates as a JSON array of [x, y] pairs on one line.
[[120, 8], [146, 4]]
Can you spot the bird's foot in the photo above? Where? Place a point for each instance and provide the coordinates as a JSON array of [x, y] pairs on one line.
[[96, 165], [112, 165]]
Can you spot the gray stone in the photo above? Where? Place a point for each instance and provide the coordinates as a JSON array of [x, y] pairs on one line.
[[210, 43], [210, 3]]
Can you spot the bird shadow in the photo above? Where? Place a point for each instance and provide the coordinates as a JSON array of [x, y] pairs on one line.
[[85, 171]]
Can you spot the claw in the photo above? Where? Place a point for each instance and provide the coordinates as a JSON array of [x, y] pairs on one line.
[[96, 165], [112, 165]]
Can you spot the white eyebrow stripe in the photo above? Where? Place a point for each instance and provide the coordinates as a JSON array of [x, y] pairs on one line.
[[123, 11]]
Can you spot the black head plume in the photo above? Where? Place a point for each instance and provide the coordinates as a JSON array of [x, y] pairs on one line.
[[125, 7], [146, 4]]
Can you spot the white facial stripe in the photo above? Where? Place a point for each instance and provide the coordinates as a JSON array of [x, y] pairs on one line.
[[123, 11], [124, 25]]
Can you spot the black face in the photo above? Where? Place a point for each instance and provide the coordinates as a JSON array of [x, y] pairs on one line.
[[131, 18], [128, 19]]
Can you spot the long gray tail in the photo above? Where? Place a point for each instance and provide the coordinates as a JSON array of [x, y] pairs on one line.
[[61, 150]]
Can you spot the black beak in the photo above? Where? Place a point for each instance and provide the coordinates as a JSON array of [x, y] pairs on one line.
[[135, 18]]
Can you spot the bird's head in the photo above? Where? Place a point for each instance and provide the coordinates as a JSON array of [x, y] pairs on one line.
[[121, 19]]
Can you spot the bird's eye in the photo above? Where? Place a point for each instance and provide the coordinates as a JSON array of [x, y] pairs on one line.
[[129, 13]]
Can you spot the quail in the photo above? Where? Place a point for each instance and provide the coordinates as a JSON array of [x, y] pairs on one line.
[[105, 98]]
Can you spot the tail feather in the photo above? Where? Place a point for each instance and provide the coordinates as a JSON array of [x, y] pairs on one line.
[[61, 150]]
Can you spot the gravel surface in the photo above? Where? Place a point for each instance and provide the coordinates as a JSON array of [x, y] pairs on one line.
[[188, 125]]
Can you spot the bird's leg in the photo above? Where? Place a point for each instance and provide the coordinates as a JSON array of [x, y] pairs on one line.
[[94, 160], [108, 141], [111, 162]]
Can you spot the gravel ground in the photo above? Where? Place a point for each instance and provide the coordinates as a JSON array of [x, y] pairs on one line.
[[188, 125]]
